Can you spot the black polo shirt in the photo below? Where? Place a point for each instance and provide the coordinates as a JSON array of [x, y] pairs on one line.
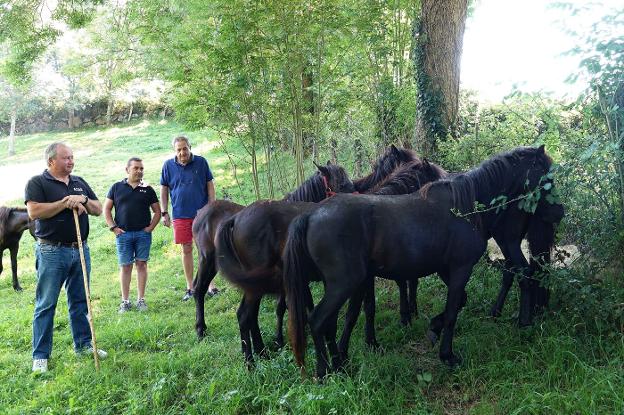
[[132, 206], [44, 188]]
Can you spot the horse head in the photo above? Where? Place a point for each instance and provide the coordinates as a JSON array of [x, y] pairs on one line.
[[336, 178]]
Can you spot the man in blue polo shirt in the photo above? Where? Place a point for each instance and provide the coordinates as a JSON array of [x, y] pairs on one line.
[[187, 177], [133, 225], [50, 198]]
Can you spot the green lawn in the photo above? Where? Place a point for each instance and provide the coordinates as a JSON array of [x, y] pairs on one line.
[[156, 364]]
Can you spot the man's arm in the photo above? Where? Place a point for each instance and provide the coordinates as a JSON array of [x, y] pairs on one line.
[[108, 216], [164, 202], [211, 192], [93, 207], [41, 210], [155, 217], [108, 212]]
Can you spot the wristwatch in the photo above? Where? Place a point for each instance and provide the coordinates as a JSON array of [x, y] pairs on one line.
[[86, 200], [112, 228], [164, 213]]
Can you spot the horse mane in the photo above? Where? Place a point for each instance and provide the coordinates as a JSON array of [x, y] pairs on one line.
[[409, 178], [494, 175], [384, 166], [5, 214], [313, 189]]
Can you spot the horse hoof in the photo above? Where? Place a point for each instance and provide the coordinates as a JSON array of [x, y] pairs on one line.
[[524, 323], [278, 343], [433, 337], [200, 335], [374, 345], [250, 364], [18, 288], [452, 361], [406, 321], [495, 312]]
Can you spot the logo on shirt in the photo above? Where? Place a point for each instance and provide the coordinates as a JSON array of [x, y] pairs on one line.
[[142, 191], [78, 189]]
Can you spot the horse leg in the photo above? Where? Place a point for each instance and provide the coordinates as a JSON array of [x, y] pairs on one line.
[[206, 271], [521, 266], [1, 252], [280, 310], [437, 323], [369, 313], [351, 316], [413, 296], [404, 311], [256, 336], [13, 251], [506, 282], [243, 316], [455, 300], [323, 322]]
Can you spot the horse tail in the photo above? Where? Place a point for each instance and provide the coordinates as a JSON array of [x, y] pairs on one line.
[[229, 262], [297, 262]]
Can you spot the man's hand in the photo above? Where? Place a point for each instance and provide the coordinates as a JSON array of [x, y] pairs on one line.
[[118, 231], [74, 201], [81, 209], [166, 220], [148, 229]]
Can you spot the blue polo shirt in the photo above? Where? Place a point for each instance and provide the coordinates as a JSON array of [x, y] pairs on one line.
[[187, 185]]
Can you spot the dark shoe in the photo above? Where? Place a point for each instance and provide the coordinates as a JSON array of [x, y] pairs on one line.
[[188, 295], [141, 305], [125, 306]]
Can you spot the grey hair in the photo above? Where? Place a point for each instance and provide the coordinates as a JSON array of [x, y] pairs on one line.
[[51, 150], [181, 138]]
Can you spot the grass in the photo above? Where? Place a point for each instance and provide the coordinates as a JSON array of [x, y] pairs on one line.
[[156, 364]]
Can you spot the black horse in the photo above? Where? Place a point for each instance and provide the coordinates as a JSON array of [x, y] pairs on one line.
[[349, 239], [13, 222], [514, 225], [325, 182], [250, 244]]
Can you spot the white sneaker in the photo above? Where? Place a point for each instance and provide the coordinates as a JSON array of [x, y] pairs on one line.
[[40, 365], [89, 351]]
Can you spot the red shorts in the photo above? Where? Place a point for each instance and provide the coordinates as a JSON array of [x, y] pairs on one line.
[[183, 231]]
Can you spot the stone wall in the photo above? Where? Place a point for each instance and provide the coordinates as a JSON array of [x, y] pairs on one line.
[[90, 115]]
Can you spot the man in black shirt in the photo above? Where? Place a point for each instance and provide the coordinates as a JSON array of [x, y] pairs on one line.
[[133, 226], [50, 198]]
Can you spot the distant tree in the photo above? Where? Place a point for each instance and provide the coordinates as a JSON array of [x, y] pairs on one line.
[[438, 40]]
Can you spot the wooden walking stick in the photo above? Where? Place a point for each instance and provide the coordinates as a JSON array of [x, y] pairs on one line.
[[87, 291]]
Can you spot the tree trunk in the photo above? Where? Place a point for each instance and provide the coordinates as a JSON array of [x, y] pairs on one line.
[[130, 111], [438, 41], [12, 133], [109, 110]]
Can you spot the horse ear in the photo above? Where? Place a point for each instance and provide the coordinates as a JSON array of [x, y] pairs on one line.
[[541, 149], [329, 162], [394, 149], [316, 165], [323, 169]]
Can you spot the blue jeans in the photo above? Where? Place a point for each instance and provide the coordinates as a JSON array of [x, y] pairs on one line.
[[58, 265], [133, 246]]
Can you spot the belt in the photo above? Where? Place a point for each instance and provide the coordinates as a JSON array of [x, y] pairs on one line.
[[57, 243]]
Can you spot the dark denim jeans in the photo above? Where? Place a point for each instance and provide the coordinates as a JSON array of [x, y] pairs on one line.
[[58, 265]]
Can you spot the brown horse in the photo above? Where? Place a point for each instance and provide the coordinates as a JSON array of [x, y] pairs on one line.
[[250, 244], [13, 222], [210, 216], [326, 181]]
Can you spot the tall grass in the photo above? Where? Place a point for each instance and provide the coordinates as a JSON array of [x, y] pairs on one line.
[[156, 364]]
